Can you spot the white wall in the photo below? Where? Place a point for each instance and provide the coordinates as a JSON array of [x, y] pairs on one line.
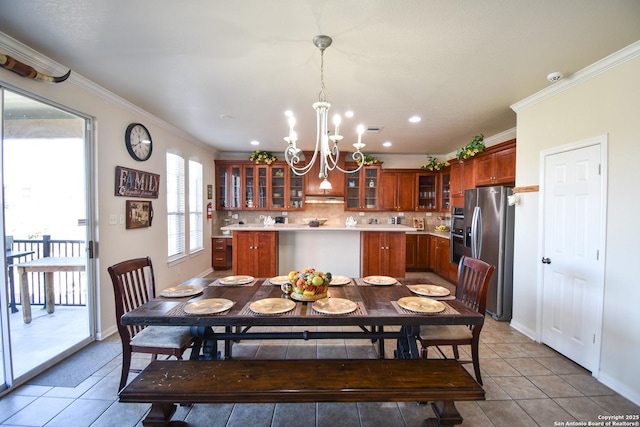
[[111, 117], [605, 102]]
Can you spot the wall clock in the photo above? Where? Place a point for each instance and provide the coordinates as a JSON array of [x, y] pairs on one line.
[[138, 141]]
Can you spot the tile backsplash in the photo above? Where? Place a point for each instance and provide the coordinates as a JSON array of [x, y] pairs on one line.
[[335, 214]]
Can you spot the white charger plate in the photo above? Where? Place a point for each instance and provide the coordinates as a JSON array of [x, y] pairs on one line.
[[208, 306], [379, 280], [429, 290], [421, 304], [272, 306], [237, 280], [339, 280], [182, 291], [334, 306]]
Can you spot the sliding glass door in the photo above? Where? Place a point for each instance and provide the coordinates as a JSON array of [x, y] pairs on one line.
[[47, 305]]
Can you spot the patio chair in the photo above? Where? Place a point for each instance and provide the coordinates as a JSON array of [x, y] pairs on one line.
[[473, 283], [133, 285]]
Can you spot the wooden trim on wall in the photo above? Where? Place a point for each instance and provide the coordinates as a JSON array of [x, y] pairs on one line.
[[528, 189]]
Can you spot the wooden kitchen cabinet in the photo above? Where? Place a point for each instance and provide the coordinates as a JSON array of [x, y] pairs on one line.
[[427, 191], [383, 253], [286, 189], [417, 252], [228, 186], [462, 178], [439, 257], [336, 178], [255, 181], [397, 190], [445, 191], [255, 253], [497, 166], [361, 191], [221, 253]]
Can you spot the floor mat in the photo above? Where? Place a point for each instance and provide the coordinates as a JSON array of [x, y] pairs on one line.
[[79, 366]]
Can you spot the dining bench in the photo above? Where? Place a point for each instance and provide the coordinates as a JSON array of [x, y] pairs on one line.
[[167, 383]]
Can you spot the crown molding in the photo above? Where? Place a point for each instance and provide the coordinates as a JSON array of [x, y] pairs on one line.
[[24, 53], [615, 59]]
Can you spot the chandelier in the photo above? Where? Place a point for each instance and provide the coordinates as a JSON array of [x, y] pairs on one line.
[[328, 154]]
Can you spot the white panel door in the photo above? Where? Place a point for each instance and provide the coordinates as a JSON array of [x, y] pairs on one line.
[[572, 265]]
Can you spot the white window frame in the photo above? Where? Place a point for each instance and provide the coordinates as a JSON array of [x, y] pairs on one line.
[[176, 206], [196, 208]]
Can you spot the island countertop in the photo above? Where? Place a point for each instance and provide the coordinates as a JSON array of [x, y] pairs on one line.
[[326, 227]]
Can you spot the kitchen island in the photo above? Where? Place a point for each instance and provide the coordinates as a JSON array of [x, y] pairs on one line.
[[345, 251]]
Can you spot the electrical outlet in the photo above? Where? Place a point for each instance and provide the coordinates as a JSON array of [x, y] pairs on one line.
[[285, 213], [234, 216], [428, 213], [360, 213]]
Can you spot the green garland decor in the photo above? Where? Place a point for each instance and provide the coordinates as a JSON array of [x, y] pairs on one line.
[[475, 146], [433, 164], [260, 156]]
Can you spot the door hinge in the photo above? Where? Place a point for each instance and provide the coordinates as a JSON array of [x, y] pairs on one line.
[[594, 338], [597, 254], [599, 169]]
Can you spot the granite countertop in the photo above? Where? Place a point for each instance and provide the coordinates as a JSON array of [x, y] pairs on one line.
[[326, 227]]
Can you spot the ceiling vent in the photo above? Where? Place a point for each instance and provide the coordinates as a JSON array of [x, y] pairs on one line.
[[374, 129]]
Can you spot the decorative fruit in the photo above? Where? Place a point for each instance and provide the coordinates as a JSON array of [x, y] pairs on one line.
[[309, 282]]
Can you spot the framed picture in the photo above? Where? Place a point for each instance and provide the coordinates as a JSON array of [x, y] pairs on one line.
[[139, 214], [418, 224]]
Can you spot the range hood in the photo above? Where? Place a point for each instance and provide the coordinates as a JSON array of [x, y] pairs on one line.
[[324, 200]]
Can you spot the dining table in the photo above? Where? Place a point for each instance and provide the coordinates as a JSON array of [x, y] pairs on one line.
[[376, 312]]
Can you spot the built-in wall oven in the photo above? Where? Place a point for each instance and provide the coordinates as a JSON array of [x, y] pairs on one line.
[[457, 244]]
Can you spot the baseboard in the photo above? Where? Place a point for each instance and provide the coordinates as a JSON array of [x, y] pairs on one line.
[[620, 388], [102, 335], [523, 329]]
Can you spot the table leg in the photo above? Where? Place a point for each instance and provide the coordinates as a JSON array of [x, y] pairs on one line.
[[24, 295], [48, 287], [12, 290], [407, 347]]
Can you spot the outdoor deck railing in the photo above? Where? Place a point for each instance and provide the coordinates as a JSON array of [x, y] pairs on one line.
[[70, 287]]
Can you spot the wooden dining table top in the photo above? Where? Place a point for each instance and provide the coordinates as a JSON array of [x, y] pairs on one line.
[[376, 306]]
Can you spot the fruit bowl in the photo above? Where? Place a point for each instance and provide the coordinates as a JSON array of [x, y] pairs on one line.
[[309, 284], [320, 220]]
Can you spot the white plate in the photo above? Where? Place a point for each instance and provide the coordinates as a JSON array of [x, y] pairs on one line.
[[208, 306], [429, 290], [334, 306], [272, 306], [421, 305], [236, 280], [339, 280], [379, 280], [279, 280], [181, 291]]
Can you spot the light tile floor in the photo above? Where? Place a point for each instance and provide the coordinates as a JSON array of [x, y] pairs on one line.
[[527, 384]]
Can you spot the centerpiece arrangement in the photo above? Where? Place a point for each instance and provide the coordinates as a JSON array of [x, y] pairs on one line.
[[309, 284]]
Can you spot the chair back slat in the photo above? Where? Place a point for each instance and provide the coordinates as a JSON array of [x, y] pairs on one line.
[[473, 283], [133, 285]]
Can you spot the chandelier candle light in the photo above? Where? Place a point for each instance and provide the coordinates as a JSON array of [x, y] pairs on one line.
[[329, 154]]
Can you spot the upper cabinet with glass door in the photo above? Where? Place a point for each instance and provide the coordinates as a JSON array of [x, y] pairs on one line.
[[229, 185], [286, 188], [427, 186], [255, 187], [362, 188]]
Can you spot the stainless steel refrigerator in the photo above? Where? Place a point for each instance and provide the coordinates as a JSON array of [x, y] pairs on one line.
[[488, 225]]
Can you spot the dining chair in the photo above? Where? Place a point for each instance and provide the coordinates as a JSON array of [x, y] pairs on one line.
[[474, 276], [134, 285]]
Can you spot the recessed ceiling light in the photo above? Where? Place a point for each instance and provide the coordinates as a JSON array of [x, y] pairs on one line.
[[254, 142], [387, 144], [348, 114], [415, 119], [225, 116]]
